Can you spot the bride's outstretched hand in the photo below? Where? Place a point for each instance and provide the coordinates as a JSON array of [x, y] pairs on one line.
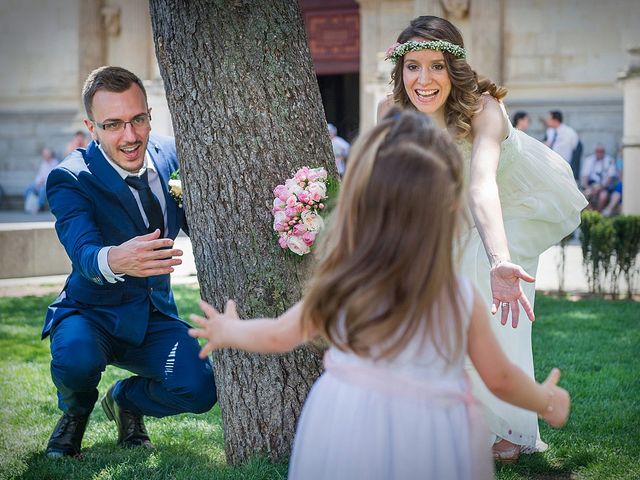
[[213, 326], [507, 292]]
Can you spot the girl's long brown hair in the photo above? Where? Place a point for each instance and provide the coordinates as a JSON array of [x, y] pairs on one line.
[[466, 86], [386, 271]]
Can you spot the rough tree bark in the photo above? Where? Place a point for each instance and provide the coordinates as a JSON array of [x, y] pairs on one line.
[[247, 113]]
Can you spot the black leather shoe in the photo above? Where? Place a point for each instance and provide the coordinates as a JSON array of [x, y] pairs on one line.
[[66, 439], [131, 430]]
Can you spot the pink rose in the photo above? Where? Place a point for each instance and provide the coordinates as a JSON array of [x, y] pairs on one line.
[[316, 174], [280, 221], [290, 211], [282, 241], [297, 245], [303, 196], [390, 50], [308, 238], [301, 175], [299, 229], [281, 192], [291, 201]]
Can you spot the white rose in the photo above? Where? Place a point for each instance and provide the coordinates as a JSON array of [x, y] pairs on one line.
[[318, 188], [312, 221], [278, 204], [175, 186], [293, 186], [297, 245]]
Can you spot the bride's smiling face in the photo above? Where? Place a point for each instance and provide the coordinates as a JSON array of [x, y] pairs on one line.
[[426, 80]]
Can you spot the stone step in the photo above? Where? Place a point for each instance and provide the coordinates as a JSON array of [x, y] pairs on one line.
[[31, 249]]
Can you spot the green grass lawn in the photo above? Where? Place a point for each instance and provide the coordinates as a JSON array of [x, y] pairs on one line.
[[595, 343]]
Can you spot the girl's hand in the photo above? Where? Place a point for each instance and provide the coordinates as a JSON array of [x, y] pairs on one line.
[[507, 292], [557, 409], [213, 326]]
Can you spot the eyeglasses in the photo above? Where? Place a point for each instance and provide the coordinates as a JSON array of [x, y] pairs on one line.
[[139, 121]]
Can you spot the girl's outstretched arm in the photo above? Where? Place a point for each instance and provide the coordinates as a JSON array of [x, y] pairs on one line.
[[508, 382], [264, 335]]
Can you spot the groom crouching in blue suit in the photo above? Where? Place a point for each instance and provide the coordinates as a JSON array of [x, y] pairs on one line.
[[117, 222]]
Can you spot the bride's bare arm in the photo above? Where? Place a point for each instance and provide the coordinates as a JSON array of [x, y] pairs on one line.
[[489, 129]]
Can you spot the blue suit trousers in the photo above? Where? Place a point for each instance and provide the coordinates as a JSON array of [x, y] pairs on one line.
[[169, 377]]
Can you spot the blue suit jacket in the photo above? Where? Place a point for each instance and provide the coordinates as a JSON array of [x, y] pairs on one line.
[[94, 208]]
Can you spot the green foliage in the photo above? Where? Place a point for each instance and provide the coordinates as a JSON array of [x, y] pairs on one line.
[[562, 261], [610, 247], [333, 189], [626, 244], [594, 342]]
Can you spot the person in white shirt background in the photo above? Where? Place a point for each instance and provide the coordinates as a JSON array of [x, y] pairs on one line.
[[560, 137], [38, 188], [340, 148]]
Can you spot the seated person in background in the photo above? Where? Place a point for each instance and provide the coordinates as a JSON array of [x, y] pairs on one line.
[[615, 198], [598, 177], [38, 188]]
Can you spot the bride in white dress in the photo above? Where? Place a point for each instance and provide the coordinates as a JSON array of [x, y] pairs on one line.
[[521, 196]]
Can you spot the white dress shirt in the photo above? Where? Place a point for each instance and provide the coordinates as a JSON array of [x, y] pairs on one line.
[[156, 187], [563, 140]]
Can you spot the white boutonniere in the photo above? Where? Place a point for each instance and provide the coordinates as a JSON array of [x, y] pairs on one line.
[[175, 187]]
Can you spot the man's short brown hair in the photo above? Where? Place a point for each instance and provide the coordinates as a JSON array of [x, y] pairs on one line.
[[111, 79]]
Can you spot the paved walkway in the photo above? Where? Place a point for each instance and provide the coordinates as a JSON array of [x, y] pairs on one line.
[[18, 216]]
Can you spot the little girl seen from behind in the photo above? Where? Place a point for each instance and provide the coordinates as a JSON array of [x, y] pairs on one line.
[[393, 401]]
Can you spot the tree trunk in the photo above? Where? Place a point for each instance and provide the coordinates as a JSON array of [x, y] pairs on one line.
[[247, 114]]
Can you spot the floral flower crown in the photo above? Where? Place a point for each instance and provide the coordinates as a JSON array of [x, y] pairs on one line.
[[398, 50]]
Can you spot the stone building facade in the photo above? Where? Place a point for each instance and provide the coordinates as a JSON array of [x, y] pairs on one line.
[[550, 54]]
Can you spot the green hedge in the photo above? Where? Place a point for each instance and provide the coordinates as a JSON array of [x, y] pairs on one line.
[[610, 248]]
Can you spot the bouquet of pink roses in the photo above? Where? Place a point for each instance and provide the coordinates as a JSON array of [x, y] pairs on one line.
[[296, 208]]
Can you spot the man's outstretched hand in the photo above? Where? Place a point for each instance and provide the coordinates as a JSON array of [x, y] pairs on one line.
[[144, 256]]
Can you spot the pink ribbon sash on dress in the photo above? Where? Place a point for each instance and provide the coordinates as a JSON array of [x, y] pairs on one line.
[[386, 381]]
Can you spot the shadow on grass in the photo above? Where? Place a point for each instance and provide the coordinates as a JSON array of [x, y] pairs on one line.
[[543, 466], [105, 461]]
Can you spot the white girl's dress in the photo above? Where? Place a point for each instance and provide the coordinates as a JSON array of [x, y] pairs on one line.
[[408, 418], [541, 205]]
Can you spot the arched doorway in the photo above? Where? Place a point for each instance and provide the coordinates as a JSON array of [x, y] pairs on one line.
[[333, 33]]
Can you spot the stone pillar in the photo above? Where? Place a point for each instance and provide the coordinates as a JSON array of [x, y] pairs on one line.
[[630, 80], [485, 46], [91, 51], [91, 44], [129, 41]]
